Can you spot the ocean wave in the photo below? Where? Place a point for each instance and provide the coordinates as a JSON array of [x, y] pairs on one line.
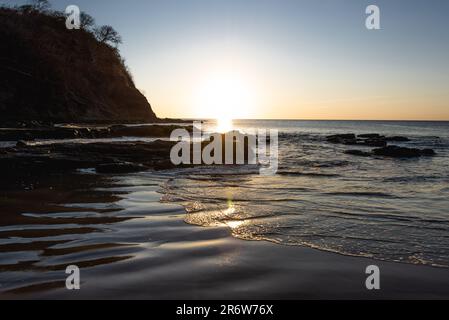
[[309, 174], [363, 194]]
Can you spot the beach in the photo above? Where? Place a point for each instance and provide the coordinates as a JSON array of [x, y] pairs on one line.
[[130, 245], [212, 150]]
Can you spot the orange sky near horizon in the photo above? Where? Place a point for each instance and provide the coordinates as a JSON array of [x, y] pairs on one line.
[[283, 59], [288, 59]]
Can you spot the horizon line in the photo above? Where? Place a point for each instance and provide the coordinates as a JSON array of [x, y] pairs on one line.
[[291, 119]]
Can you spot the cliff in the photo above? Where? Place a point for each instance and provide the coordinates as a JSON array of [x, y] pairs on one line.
[[50, 73]]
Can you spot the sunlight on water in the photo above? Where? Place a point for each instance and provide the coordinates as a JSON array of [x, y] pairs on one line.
[[224, 125], [323, 198], [234, 224]]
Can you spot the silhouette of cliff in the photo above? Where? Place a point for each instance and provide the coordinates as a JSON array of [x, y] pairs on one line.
[[50, 73]]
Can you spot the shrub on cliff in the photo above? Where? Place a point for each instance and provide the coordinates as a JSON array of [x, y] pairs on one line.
[[50, 73]]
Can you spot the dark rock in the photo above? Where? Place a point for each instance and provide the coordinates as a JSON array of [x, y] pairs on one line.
[[397, 139], [145, 130], [163, 165], [21, 144], [173, 120], [58, 133], [347, 139], [428, 152], [121, 167], [369, 135], [358, 153], [65, 157], [342, 136], [366, 139], [402, 152], [373, 142]]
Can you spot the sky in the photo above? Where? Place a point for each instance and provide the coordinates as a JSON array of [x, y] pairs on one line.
[[284, 59]]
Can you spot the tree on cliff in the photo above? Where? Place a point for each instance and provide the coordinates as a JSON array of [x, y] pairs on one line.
[[106, 34], [41, 5], [49, 73], [86, 21]]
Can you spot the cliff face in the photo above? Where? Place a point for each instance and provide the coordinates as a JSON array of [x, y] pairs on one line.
[[50, 73]]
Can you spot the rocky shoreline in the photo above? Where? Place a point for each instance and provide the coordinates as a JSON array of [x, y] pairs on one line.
[[381, 143], [26, 159], [87, 132]]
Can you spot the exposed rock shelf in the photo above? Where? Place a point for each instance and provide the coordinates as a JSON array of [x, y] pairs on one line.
[[377, 140]]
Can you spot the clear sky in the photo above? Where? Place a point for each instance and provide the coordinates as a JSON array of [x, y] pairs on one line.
[[298, 59]]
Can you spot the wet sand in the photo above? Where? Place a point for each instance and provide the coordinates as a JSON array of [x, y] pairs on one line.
[[129, 245]]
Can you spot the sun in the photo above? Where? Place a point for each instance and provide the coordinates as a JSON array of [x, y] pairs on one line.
[[224, 96], [224, 125]]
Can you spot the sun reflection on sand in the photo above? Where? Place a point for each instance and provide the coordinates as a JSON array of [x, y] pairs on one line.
[[228, 213], [234, 224]]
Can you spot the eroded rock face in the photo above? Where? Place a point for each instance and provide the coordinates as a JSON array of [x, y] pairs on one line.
[[52, 74]]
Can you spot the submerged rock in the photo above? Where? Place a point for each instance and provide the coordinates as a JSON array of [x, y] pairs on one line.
[[397, 139], [402, 152], [369, 135], [348, 138], [21, 144], [373, 142], [428, 152], [358, 153], [366, 139], [121, 167]]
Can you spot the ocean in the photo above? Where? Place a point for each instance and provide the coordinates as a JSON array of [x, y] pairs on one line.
[[383, 208], [228, 232]]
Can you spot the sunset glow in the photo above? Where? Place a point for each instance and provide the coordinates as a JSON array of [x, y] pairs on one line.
[[224, 96]]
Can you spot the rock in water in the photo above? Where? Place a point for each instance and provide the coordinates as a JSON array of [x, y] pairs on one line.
[[397, 139], [121, 167], [373, 142], [348, 138], [428, 152], [21, 144], [402, 152], [50, 73], [358, 153], [369, 135]]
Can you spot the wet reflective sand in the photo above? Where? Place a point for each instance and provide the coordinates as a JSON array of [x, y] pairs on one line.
[[129, 244]]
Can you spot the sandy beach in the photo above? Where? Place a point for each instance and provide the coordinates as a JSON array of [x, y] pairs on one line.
[[132, 246]]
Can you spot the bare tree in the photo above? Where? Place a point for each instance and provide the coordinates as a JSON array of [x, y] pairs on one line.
[[107, 34], [86, 21], [41, 5]]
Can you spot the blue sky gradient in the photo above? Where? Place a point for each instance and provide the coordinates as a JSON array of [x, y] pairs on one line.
[[302, 59]]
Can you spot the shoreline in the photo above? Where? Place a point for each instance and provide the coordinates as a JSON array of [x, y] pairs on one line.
[[163, 257], [130, 245], [300, 272]]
